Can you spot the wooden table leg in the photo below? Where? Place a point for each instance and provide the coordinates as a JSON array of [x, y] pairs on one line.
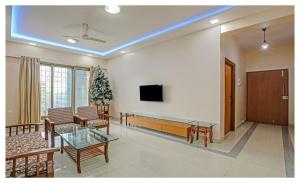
[[197, 131], [106, 152], [211, 134], [78, 162], [192, 134], [52, 139], [205, 137], [121, 121], [188, 134], [61, 145], [126, 115]]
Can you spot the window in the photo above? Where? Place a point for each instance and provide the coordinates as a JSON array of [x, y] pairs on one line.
[[81, 88], [62, 87], [45, 84], [57, 88]]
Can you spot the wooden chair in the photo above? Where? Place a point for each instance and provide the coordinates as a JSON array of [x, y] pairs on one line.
[[103, 109], [91, 117], [27, 152], [61, 119]]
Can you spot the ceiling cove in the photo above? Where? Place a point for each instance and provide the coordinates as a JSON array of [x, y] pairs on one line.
[[15, 33]]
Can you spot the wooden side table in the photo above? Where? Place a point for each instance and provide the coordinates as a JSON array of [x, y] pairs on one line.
[[206, 130]]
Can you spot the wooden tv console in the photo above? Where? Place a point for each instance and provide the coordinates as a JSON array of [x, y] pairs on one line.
[[171, 126]]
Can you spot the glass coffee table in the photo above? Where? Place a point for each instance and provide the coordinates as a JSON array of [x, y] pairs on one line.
[[84, 143]]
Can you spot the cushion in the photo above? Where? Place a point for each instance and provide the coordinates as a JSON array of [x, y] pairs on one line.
[[20, 166], [97, 122], [89, 112], [64, 128], [61, 115], [21, 144]]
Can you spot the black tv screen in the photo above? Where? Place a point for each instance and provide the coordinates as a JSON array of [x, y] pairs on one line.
[[151, 93]]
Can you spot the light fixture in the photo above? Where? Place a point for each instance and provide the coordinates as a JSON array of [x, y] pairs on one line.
[[123, 51], [112, 9], [214, 21], [71, 40], [90, 55], [265, 44], [32, 44]]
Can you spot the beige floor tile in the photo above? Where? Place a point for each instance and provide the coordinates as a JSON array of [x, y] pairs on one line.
[[138, 154], [231, 138], [292, 133], [244, 169], [265, 148]]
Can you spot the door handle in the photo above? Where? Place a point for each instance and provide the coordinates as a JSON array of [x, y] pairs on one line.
[[284, 93]]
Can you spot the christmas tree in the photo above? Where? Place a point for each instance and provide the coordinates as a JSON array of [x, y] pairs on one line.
[[100, 92]]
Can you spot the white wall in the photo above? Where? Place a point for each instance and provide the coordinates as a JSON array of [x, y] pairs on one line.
[[279, 57], [51, 55], [12, 91], [187, 67], [232, 51], [48, 55]]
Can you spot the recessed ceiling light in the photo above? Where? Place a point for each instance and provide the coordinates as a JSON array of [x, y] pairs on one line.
[[71, 40], [214, 21], [123, 51], [33, 44], [112, 9]]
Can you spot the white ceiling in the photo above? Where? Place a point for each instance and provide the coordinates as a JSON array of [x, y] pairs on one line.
[[53, 22], [280, 32]]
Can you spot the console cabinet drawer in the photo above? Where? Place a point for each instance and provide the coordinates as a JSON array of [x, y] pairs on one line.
[[166, 126]]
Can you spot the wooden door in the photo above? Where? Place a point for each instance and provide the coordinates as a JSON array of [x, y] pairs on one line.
[[267, 96], [229, 96]]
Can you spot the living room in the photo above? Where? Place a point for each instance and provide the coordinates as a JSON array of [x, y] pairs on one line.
[[118, 91]]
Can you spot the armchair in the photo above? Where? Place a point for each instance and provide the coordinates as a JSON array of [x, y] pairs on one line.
[[61, 119], [91, 117]]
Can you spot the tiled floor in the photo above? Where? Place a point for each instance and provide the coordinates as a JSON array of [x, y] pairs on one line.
[[262, 155], [231, 138], [291, 133], [141, 153]]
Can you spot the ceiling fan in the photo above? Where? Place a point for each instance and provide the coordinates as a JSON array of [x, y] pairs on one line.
[[85, 36]]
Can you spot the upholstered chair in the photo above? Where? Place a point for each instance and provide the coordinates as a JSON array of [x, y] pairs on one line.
[[60, 119], [89, 116], [26, 149]]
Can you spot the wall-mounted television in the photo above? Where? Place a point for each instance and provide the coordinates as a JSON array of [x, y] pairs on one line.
[[151, 93]]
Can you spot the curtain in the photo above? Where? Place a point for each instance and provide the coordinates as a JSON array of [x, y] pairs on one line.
[[29, 90]]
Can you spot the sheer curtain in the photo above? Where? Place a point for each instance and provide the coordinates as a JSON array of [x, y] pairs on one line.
[[29, 90]]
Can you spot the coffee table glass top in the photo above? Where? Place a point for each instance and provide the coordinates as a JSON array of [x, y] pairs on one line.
[[202, 124], [82, 137]]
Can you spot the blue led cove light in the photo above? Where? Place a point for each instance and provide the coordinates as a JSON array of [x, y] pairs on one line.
[[16, 34]]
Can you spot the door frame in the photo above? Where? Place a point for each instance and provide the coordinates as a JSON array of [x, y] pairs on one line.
[[232, 110]]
